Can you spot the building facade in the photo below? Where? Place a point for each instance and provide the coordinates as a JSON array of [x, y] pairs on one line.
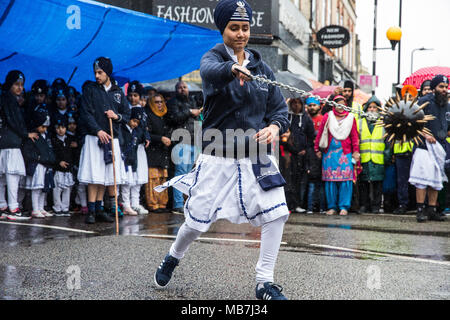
[[284, 31]]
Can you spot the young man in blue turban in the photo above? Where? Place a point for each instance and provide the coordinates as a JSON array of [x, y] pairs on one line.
[[229, 181]]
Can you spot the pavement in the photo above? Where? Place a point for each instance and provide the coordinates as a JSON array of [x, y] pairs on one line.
[[358, 257]]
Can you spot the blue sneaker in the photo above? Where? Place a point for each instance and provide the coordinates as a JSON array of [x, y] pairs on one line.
[[269, 291], [164, 272]]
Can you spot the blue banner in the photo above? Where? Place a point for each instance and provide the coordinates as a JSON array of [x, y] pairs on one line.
[[47, 39]]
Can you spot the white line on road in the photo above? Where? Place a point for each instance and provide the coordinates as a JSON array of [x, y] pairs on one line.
[[46, 226], [203, 238], [445, 263]]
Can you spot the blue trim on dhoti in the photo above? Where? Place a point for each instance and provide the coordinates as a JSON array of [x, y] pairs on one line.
[[241, 200]]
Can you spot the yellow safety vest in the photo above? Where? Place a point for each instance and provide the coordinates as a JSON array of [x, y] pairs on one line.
[[448, 139], [355, 108], [371, 145], [403, 147]]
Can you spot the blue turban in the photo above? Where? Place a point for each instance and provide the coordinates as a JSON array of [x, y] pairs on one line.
[[437, 80], [312, 100], [231, 10]]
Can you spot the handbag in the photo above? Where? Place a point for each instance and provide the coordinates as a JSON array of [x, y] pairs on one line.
[[323, 143]]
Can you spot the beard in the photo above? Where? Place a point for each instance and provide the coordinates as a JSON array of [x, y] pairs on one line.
[[441, 98], [313, 112]]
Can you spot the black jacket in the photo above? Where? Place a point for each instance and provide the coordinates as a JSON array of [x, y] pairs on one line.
[[13, 130], [94, 102], [303, 135], [40, 151], [158, 155], [63, 152], [179, 116]]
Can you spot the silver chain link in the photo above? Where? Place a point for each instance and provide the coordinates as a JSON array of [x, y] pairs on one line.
[[307, 94]]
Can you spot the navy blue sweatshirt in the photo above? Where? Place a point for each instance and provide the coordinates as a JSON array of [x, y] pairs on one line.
[[440, 125], [228, 105], [13, 130], [94, 102]]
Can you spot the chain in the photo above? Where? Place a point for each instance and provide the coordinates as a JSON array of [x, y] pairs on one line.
[[307, 94]]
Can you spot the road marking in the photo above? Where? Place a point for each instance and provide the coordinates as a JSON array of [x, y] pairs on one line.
[[445, 263], [46, 226], [203, 238]]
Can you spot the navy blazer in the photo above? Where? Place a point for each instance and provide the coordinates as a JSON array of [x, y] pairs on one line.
[[228, 105]]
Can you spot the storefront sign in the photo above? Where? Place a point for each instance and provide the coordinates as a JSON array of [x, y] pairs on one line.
[[333, 36]]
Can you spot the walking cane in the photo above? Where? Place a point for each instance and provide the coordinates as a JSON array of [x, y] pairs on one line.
[[114, 174]]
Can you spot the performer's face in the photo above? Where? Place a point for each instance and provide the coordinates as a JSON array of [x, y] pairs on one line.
[[236, 34]]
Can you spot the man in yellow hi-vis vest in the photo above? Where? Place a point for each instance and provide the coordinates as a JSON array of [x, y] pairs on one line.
[[373, 151]]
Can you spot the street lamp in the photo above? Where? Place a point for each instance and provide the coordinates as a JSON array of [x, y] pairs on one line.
[[412, 55], [394, 34]]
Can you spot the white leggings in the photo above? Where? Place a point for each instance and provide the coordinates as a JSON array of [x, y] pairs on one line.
[[38, 197], [12, 181], [271, 234], [130, 195], [61, 199]]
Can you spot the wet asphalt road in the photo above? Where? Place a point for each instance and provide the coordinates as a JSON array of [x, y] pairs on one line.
[[321, 258]]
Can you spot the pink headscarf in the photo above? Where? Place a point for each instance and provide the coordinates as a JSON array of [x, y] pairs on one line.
[[344, 112]]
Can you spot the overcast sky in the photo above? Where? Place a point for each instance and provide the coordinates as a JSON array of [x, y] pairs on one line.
[[424, 24]]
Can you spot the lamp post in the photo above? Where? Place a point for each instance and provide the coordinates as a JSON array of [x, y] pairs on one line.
[[412, 56]]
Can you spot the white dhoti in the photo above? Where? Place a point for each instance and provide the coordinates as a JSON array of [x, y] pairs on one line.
[[12, 170], [94, 170], [141, 174], [427, 167], [225, 188]]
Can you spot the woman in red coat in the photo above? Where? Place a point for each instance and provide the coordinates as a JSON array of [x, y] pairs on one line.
[[338, 139]]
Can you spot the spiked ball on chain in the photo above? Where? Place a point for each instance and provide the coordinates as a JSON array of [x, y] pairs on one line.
[[404, 120]]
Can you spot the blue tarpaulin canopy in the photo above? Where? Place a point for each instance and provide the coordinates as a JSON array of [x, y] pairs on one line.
[[47, 39]]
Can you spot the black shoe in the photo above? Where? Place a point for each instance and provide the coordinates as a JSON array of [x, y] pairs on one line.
[[164, 272], [400, 210], [434, 215], [102, 216], [90, 218], [363, 209], [421, 215]]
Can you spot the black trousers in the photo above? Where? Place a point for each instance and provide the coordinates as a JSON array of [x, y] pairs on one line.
[[371, 194]]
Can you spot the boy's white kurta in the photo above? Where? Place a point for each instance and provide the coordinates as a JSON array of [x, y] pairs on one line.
[[93, 169], [11, 162], [226, 188], [427, 167]]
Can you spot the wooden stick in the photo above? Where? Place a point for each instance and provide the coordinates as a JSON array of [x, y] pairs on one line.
[[114, 174]]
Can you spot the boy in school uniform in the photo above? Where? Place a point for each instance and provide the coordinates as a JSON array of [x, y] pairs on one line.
[[64, 181], [39, 160], [135, 166]]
